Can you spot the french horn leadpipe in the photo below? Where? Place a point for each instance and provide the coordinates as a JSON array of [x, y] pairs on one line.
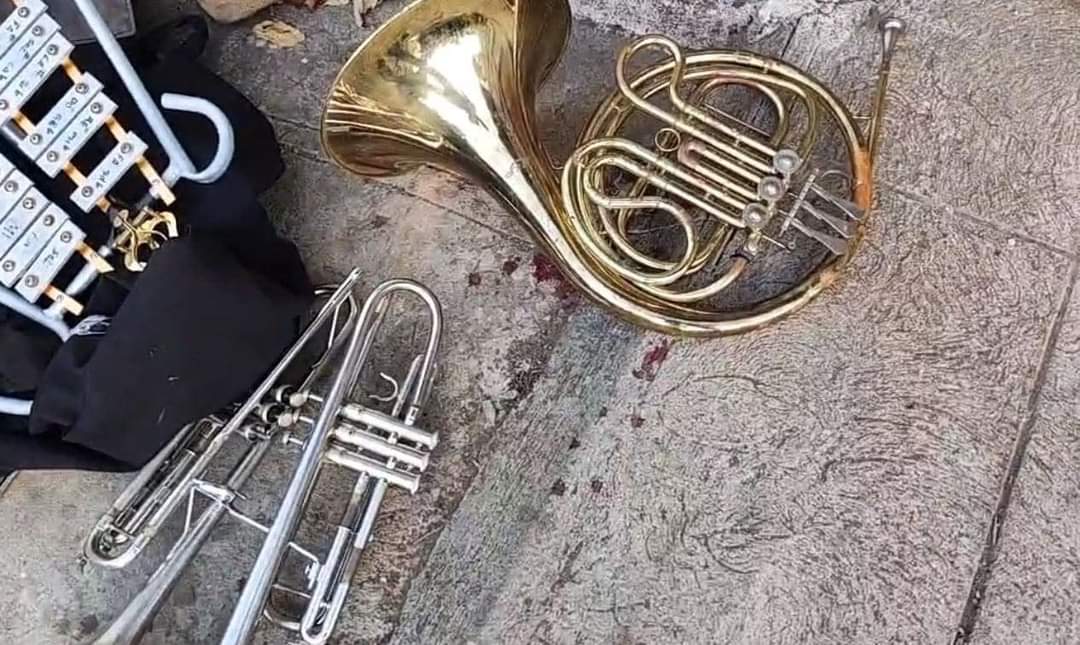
[[451, 84]]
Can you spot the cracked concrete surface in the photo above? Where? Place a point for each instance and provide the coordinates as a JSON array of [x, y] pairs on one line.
[[894, 464]]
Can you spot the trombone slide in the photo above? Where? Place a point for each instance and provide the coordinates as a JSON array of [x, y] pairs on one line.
[[137, 617]]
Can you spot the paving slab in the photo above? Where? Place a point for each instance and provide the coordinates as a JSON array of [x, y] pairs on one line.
[[702, 23], [963, 131], [979, 118], [1032, 591], [825, 480]]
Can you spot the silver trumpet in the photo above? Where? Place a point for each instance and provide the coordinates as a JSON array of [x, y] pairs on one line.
[[383, 448]]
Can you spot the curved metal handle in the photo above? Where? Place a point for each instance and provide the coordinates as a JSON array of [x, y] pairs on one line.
[[180, 163], [15, 407]]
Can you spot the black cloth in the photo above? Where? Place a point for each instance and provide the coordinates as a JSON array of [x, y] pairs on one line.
[[210, 315], [163, 361], [25, 352]]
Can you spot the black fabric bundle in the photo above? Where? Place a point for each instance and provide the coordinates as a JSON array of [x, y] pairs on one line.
[[210, 315]]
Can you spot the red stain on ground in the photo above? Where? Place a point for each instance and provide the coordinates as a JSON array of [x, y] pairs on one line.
[[544, 270], [653, 360], [567, 294]]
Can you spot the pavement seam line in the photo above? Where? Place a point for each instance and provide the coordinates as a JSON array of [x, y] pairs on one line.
[[899, 190], [307, 154], [992, 542], [1010, 232]]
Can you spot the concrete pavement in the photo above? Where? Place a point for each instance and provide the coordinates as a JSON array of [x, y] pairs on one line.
[[895, 464]]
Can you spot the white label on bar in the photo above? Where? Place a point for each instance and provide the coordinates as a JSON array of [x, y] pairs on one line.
[[19, 219], [31, 244], [56, 254], [109, 171], [58, 118], [18, 22], [16, 94], [11, 191], [75, 136], [20, 56]]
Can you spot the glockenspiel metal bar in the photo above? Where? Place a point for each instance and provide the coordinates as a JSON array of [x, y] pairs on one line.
[[42, 135], [103, 178], [70, 140], [17, 260], [19, 55], [20, 20], [17, 220], [61, 246], [30, 79], [36, 240]]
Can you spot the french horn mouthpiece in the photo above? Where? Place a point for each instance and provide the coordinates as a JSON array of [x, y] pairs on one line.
[[892, 28]]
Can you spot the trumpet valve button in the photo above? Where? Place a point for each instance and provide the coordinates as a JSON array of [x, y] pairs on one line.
[[287, 419]]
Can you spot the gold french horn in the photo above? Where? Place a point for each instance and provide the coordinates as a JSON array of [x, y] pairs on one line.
[[452, 84]]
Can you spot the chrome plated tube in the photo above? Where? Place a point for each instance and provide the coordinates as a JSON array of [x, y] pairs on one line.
[[319, 619], [138, 520], [133, 622], [367, 416], [257, 590], [372, 468], [370, 441]]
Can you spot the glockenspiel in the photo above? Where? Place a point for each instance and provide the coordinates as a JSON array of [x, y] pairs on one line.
[[38, 239]]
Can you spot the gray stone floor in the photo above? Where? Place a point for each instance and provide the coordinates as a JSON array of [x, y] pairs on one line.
[[896, 464]]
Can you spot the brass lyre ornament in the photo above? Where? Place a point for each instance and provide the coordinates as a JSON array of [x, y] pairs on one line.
[[144, 234], [452, 84]]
